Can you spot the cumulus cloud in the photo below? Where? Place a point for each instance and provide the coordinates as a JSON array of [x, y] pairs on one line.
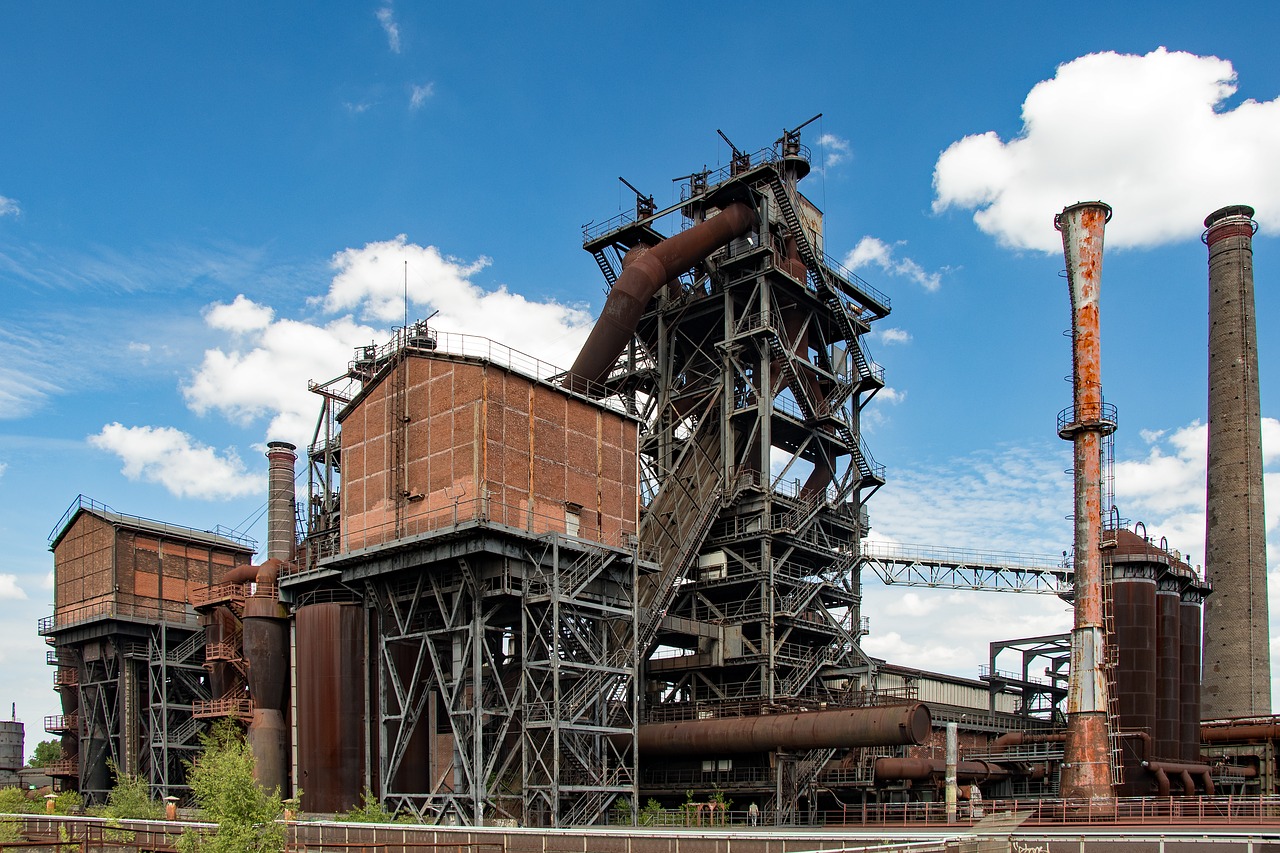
[[893, 336], [387, 18], [1150, 135], [874, 251], [241, 316], [372, 282], [9, 207], [173, 459], [835, 150], [418, 95], [9, 587], [891, 395], [1012, 501], [263, 370]]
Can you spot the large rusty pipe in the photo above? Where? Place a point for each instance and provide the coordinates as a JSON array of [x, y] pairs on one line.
[[845, 727], [1086, 769], [1232, 734], [640, 279], [922, 769]]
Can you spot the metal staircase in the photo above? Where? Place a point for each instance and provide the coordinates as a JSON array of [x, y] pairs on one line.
[[606, 267], [678, 520]]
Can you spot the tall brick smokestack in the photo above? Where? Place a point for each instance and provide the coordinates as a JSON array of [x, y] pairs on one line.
[[281, 537], [1237, 657]]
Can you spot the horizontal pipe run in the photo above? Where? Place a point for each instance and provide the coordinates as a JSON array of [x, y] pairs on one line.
[[842, 728]]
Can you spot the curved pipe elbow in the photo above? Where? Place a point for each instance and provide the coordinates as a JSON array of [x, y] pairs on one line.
[[644, 277]]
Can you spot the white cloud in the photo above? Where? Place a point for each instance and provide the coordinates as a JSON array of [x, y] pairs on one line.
[[240, 317], [1011, 500], [836, 150], [4, 466], [372, 281], [182, 465], [872, 250], [386, 17], [418, 95], [9, 206], [9, 587], [268, 375], [21, 394], [1166, 488], [356, 108], [891, 395], [263, 370], [1150, 135], [893, 336]]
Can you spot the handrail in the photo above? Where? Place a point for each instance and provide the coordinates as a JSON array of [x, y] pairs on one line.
[[85, 502]]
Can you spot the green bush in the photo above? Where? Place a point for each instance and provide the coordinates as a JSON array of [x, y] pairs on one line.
[[130, 799], [14, 801], [371, 810], [221, 779]]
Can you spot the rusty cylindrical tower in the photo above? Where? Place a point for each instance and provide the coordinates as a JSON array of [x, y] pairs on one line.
[[1086, 768], [1237, 659]]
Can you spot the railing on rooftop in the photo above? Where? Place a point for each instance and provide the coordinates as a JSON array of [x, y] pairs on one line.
[[479, 510], [85, 502], [144, 610], [373, 357]]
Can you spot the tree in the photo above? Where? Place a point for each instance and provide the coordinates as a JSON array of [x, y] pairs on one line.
[[221, 779], [46, 752]]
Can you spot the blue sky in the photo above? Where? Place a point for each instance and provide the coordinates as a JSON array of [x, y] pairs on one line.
[[202, 208]]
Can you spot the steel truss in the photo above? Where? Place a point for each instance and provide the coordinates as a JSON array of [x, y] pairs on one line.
[[520, 662], [175, 682], [750, 376], [136, 689]]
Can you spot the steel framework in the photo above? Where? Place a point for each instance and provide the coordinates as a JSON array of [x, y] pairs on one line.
[[750, 374]]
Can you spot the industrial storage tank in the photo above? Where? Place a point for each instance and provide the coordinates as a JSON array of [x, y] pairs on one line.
[[330, 710], [11, 747]]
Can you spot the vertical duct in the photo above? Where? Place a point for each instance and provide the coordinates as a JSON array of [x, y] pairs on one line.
[[281, 537], [1192, 596], [1237, 659], [1168, 730], [1086, 769]]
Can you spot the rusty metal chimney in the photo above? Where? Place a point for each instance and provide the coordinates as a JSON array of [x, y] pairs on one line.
[[281, 538], [1237, 658], [1086, 768]]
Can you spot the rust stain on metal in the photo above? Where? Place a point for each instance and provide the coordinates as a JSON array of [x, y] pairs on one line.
[[1086, 772], [846, 727]]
